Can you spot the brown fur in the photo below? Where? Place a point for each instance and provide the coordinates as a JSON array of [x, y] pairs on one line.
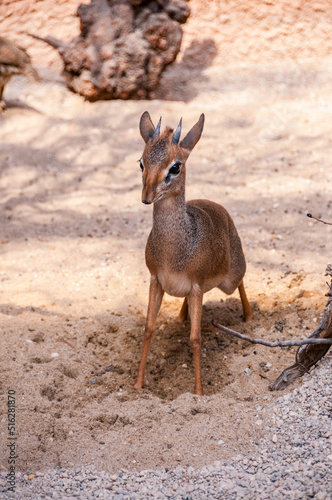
[[13, 61], [193, 247]]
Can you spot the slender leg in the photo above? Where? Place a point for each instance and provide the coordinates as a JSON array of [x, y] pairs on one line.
[[183, 315], [195, 309], [2, 102], [156, 294], [247, 311]]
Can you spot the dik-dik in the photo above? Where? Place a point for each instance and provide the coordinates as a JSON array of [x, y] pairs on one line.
[[13, 61], [193, 246]]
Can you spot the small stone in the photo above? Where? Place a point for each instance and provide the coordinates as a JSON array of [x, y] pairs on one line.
[[274, 438], [321, 495], [112, 328]]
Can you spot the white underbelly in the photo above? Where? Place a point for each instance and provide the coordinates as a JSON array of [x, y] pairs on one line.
[[175, 284], [179, 285]]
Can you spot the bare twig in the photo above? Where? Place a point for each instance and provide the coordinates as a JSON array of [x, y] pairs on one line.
[[277, 343], [61, 339], [57, 44], [308, 356], [319, 220]]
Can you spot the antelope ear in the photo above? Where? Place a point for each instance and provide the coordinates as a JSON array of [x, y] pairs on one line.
[[146, 127], [194, 135]]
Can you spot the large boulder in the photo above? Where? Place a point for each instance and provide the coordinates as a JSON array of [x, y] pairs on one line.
[[123, 48]]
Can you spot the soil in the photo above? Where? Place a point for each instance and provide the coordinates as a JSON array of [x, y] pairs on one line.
[[74, 284]]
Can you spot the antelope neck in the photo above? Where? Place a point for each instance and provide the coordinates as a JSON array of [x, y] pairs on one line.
[[170, 211], [171, 220], [172, 236]]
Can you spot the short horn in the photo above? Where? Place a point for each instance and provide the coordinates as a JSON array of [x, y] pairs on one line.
[[177, 133], [157, 130]]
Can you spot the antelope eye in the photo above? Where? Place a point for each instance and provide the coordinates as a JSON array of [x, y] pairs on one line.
[[141, 165], [175, 169]]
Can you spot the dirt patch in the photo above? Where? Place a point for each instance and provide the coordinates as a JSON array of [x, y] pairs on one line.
[[73, 230]]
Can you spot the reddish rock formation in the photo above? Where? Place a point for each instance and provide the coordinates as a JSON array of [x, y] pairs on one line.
[[123, 48]]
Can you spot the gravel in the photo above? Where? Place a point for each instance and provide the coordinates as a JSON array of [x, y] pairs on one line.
[[293, 460]]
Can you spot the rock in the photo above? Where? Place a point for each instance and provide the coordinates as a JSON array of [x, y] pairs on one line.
[[123, 48], [321, 495]]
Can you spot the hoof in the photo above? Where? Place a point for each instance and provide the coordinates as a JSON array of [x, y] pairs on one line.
[[249, 317]]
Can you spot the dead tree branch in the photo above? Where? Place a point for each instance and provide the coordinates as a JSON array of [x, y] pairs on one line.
[[310, 350], [319, 220], [276, 343], [309, 355]]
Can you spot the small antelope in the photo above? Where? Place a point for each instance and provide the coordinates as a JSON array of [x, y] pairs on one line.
[[193, 247], [13, 61]]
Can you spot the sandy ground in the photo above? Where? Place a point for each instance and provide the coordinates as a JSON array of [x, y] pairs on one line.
[[74, 283]]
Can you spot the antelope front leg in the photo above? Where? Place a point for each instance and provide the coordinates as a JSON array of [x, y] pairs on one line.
[[195, 309], [156, 294]]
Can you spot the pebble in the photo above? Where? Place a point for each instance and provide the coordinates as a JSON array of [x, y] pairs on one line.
[[292, 460]]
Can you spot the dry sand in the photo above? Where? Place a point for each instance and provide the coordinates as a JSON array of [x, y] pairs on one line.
[[74, 283]]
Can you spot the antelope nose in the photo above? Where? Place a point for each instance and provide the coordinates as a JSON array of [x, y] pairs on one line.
[[147, 202]]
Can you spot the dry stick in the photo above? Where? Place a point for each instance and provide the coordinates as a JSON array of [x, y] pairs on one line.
[[319, 220], [277, 343], [308, 355]]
